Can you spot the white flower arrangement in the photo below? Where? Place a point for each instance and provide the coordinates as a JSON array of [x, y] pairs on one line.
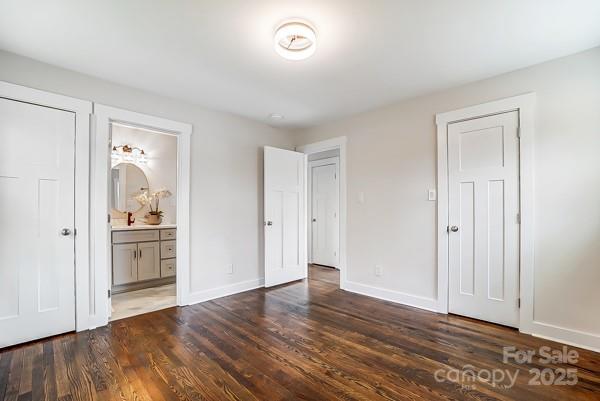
[[147, 200]]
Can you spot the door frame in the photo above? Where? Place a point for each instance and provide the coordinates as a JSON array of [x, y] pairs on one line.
[[333, 144], [311, 164], [525, 106], [82, 110], [104, 116]]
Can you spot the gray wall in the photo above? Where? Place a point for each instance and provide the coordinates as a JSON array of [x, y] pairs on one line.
[[226, 176], [392, 159]]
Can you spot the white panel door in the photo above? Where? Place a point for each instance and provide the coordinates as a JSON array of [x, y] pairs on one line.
[[483, 168], [37, 272], [324, 214], [285, 216]]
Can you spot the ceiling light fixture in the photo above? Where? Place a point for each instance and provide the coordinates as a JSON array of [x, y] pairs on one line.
[[295, 40], [276, 116]]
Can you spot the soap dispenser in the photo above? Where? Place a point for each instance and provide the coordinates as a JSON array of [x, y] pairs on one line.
[[130, 218]]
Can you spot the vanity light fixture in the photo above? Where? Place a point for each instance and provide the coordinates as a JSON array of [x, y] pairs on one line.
[[295, 39], [127, 153]]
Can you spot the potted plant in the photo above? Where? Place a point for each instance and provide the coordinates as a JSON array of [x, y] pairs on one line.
[[154, 217]]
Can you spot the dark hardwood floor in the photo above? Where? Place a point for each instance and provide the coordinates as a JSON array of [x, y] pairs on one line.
[[323, 273], [303, 341]]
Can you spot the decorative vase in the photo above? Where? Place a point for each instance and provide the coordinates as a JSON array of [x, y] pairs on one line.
[[153, 219]]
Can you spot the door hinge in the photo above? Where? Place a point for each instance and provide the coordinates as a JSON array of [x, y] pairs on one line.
[[108, 217], [518, 218], [74, 232], [335, 176], [519, 132], [109, 293], [519, 303]]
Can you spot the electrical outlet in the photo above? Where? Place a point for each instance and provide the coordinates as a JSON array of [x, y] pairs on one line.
[[229, 268], [378, 270]]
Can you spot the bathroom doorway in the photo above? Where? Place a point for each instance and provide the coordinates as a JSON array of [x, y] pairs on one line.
[[141, 215], [143, 220]]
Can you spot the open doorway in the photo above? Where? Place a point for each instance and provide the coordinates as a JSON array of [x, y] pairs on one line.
[[287, 219], [164, 248], [326, 210], [323, 205], [143, 220]]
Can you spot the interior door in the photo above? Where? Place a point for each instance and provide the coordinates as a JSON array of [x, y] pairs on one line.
[[37, 213], [285, 216], [148, 260], [324, 213], [483, 168]]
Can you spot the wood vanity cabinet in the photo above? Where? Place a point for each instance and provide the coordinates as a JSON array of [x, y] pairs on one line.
[[142, 255]]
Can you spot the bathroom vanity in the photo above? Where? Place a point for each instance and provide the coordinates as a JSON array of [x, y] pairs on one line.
[[143, 256]]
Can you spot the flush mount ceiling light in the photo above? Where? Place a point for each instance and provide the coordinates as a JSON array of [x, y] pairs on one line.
[[276, 116], [295, 40]]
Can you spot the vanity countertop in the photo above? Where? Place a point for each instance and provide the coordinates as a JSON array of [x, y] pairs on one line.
[[142, 227]]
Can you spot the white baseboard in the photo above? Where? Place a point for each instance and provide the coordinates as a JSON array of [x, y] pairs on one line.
[[416, 301], [566, 336], [213, 293]]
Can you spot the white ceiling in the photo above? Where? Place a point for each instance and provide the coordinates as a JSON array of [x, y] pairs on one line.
[[219, 53]]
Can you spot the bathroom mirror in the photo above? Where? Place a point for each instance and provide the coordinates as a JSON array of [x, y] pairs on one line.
[[127, 181]]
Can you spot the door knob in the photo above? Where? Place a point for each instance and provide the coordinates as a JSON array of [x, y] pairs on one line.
[[314, 220], [454, 229], [269, 223], [65, 232]]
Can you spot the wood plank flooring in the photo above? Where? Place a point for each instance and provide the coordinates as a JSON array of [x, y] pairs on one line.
[[303, 341]]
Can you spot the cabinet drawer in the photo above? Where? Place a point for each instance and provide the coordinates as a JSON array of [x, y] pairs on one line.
[[167, 249], [168, 267], [168, 234], [119, 237]]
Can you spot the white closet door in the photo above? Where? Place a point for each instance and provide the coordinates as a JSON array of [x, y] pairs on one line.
[[483, 167], [285, 216], [324, 209], [37, 273]]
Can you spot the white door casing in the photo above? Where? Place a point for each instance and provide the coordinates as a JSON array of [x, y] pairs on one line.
[[37, 201], [104, 117], [324, 221], [339, 143], [483, 190], [284, 215]]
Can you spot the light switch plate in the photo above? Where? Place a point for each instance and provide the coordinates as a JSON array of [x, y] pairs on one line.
[[431, 195], [378, 270], [230, 268]]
